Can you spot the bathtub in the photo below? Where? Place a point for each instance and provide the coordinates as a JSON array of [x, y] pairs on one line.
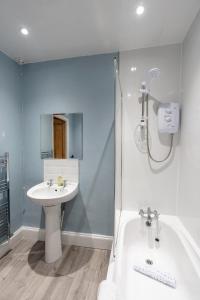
[[175, 253]]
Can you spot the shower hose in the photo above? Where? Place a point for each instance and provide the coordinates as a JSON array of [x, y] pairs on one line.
[[147, 128]]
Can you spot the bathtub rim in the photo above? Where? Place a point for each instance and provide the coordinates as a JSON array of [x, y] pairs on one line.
[[189, 244]]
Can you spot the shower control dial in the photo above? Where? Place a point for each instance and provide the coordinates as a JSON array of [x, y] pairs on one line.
[[168, 119], [168, 111]]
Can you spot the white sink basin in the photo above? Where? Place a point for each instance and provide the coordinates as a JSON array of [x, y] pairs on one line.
[[46, 195], [51, 197]]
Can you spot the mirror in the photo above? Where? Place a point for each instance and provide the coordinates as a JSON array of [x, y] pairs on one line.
[[61, 136]]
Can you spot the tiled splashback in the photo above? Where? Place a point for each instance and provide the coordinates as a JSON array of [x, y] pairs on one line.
[[67, 168]]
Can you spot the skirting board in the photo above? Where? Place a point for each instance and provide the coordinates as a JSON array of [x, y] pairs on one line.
[[4, 248], [11, 243], [68, 238]]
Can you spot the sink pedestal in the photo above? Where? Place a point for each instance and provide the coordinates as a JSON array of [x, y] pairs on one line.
[[51, 198], [53, 246]]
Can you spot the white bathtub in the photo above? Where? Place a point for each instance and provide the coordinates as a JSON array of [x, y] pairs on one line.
[[176, 253]]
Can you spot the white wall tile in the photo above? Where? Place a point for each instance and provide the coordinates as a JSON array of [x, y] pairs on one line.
[[145, 185], [67, 168]]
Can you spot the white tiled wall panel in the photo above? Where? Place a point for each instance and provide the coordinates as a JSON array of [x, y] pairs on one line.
[[148, 184], [67, 168], [188, 202]]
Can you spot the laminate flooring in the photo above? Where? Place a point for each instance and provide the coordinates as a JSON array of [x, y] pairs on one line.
[[24, 275]]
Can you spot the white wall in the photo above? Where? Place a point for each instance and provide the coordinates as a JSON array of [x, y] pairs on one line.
[[154, 185], [189, 200]]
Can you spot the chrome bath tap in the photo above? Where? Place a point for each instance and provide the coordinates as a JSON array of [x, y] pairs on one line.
[[149, 215]]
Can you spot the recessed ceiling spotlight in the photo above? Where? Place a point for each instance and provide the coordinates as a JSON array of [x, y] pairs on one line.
[[129, 95], [140, 10], [24, 31], [133, 69]]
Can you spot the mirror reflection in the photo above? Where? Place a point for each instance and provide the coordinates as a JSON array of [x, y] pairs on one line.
[[61, 136]]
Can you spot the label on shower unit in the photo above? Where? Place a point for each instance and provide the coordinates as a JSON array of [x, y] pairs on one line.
[[168, 117]]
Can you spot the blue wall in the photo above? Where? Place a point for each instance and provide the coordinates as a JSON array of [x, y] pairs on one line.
[[11, 132], [84, 84]]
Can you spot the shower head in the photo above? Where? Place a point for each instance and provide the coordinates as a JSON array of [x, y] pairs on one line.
[[154, 73], [151, 74]]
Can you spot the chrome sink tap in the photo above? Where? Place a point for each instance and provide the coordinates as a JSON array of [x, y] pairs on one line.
[[65, 183], [149, 215], [50, 182]]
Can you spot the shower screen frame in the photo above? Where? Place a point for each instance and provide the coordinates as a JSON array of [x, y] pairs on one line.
[[118, 152]]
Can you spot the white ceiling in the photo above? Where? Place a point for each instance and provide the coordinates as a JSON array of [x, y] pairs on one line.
[[68, 28]]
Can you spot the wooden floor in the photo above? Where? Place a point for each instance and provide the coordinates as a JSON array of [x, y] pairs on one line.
[[24, 275]]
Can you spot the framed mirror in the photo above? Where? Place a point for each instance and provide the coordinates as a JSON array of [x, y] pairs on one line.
[[61, 136]]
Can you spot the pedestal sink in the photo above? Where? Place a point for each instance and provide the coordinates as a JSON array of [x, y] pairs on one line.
[[51, 197]]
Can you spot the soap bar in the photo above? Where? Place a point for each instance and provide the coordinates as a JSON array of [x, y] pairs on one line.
[[60, 181]]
